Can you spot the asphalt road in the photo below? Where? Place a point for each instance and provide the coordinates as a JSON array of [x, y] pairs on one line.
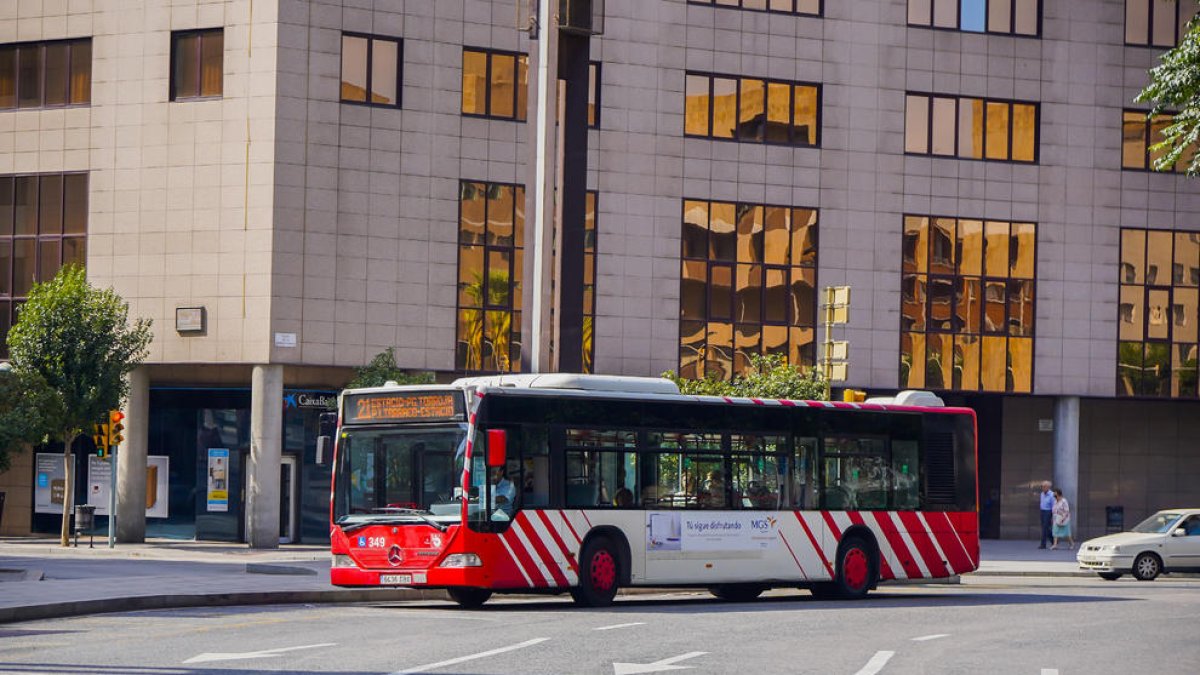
[[1028, 626]]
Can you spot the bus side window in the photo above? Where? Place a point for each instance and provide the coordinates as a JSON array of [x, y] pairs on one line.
[[906, 480], [804, 474], [535, 467]]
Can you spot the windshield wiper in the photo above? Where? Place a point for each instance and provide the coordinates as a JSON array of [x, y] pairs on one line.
[[390, 510]]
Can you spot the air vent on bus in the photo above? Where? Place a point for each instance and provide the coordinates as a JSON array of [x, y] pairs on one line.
[[939, 469]]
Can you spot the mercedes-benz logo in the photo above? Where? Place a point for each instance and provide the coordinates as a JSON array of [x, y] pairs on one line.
[[395, 556]]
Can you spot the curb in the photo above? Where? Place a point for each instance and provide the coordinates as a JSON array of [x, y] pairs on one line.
[[56, 610], [1009, 573]]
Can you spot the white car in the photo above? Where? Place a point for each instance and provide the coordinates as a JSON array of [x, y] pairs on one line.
[[1168, 541]]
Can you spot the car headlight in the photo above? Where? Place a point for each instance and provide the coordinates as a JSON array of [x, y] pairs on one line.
[[341, 560], [462, 560]]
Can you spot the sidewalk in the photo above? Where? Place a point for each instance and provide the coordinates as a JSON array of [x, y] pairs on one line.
[[39, 579]]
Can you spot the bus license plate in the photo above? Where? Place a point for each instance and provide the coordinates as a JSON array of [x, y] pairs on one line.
[[385, 579]]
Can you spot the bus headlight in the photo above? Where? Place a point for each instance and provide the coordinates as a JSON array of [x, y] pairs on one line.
[[462, 560], [340, 560]]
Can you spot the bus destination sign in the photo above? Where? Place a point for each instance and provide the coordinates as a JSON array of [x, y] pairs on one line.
[[403, 407]]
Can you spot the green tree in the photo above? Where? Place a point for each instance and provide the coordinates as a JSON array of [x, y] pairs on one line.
[[769, 376], [1175, 88], [23, 400], [383, 368], [78, 340]]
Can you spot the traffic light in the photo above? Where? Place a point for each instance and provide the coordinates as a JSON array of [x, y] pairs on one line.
[[115, 427], [100, 437]]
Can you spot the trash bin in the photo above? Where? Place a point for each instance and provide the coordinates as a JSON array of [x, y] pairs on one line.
[[1114, 519], [84, 516]]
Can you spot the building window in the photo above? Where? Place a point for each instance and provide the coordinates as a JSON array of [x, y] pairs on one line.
[[43, 226], [748, 285], [1139, 133], [197, 64], [810, 7], [1007, 17], [752, 110], [490, 268], [1158, 313], [371, 64], [594, 95], [495, 84], [46, 74], [967, 304], [971, 128], [1157, 23]]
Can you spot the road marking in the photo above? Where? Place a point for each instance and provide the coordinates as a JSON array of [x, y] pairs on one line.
[[471, 657], [621, 625], [876, 663], [923, 638], [1049, 671], [657, 666], [264, 654]]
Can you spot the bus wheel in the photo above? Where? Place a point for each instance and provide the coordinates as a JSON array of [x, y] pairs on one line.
[[737, 592], [854, 570], [599, 573], [469, 598]]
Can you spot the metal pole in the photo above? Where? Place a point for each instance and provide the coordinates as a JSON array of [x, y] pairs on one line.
[[542, 186], [112, 497]]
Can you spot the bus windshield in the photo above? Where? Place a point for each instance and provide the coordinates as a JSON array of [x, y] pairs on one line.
[[398, 475]]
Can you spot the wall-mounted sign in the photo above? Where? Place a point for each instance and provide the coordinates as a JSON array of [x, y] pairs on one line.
[[285, 339], [189, 319], [1045, 425]]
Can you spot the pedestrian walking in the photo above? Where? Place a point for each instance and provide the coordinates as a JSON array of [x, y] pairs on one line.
[[1062, 520], [1047, 513]]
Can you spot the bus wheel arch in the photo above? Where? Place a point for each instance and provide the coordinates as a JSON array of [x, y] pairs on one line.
[[620, 543], [603, 550]]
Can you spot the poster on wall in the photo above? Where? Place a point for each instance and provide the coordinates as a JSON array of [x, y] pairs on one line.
[[689, 531], [50, 484], [218, 479], [156, 486], [99, 474]]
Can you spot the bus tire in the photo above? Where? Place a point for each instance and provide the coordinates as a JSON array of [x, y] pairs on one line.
[[737, 592], [855, 569], [469, 598], [599, 574]]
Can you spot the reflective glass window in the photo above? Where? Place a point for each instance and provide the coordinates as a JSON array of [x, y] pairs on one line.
[[750, 109], [198, 64], [495, 84], [971, 128], [978, 16]]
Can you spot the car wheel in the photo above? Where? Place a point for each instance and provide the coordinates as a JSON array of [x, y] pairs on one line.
[[1146, 567], [737, 592], [1109, 576], [469, 598], [599, 574]]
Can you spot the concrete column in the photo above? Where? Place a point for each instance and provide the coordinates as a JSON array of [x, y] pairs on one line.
[[1066, 450], [131, 461], [266, 430]]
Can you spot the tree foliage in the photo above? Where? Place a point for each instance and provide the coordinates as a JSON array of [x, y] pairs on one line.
[[77, 340], [23, 400], [769, 376], [383, 368], [1175, 89]]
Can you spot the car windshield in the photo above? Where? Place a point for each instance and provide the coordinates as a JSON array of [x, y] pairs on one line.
[[399, 475], [1157, 523]]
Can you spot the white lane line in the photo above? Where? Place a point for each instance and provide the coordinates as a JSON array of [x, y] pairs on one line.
[[470, 657], [1049, 671], [876, 663], [621, 625], [923, 638]]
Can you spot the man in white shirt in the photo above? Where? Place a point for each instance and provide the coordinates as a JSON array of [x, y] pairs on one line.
[[1046, 512]]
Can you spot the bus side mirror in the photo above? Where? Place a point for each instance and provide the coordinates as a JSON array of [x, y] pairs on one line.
[[324, 446], [497, 452]]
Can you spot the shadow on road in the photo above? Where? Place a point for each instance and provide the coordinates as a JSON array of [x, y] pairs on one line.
[[777, 603]]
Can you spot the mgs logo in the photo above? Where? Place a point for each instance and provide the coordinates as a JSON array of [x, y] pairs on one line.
[[395, 556], [764, 524]]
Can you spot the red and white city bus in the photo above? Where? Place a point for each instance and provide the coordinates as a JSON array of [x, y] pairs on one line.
[[585, 484]]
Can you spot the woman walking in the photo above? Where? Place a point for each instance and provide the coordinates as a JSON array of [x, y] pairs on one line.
[[1062, 520]]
